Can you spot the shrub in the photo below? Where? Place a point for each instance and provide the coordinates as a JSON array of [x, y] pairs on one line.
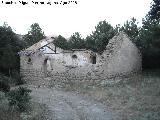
[[4, 86], [19, 98], [4, 83]]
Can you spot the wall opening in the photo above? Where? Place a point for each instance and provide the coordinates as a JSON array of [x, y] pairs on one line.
[[74, 56], [93, 59], [45, 67], [29, 61]]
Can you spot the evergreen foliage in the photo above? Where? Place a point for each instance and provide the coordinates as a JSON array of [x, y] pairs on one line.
[[10, 44], [76, 41], [61, 42], [154, 12], [34, 34], [99, 38], [132, 30], [149, 37]]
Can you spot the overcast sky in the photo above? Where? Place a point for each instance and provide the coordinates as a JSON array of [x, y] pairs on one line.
[[69, 18]]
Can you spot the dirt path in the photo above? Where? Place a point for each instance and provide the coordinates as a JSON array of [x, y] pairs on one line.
[[70, 106]]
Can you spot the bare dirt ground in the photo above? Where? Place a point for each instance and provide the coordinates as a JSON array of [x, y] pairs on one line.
[[70, 106]]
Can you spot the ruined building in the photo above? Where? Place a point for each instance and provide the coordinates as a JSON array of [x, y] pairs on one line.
[[45, 64]]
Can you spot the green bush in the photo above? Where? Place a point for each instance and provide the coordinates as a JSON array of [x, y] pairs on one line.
[[4, 86], [19, 98], [4, 83]]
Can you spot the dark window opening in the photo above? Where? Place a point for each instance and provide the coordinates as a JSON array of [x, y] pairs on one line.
[[94, 60], [74, 56], [29, 60], [45, 67]]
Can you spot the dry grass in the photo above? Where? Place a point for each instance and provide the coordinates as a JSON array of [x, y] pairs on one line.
[[136, 97]]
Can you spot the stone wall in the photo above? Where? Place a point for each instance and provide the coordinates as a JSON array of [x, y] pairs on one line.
[[121, 58], [31, 68]]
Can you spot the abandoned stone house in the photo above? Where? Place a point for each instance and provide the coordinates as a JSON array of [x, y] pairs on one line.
[[43, 63]]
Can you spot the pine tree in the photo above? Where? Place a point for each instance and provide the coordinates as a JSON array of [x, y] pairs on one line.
[[34, 34]]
